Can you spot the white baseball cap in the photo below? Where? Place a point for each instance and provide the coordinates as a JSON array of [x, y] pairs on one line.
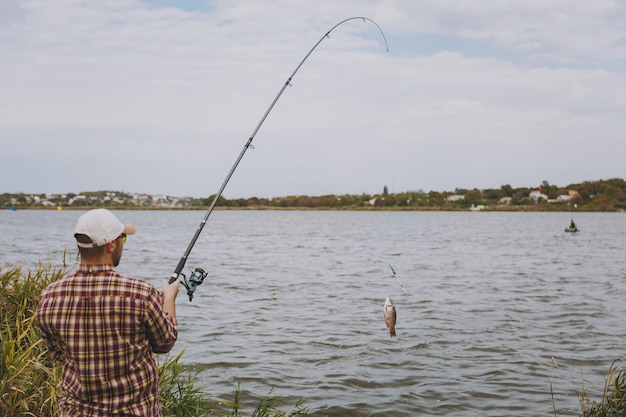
[[102, 227]]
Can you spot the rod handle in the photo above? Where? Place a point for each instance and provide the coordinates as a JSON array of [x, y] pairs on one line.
[[177, 271]]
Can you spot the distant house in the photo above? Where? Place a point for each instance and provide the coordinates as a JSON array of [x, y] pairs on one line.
[[537, 195], [506, 200], [79, 198], [456, 197], [565, 198]]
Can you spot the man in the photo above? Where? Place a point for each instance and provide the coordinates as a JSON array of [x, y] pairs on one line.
[[104, 327]]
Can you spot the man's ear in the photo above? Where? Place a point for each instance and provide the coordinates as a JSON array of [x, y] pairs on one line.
[[111, 246]]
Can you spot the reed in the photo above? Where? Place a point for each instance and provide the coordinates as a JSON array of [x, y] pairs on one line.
[[613, 401], [182, 396], [29, 379]]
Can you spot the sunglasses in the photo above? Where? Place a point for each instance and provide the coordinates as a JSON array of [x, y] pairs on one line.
[[123, 237]]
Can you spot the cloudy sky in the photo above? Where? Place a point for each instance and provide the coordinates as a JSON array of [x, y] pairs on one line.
[[160, 96]]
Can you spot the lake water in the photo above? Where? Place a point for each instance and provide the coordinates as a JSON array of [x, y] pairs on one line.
[[503, 307]]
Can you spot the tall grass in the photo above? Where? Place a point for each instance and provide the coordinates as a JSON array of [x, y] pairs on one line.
[[29, 379], [613, 401]]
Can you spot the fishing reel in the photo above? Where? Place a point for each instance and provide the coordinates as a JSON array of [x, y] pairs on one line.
[[197, 277]]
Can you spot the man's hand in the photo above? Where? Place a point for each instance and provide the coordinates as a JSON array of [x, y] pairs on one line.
[[170, 291]]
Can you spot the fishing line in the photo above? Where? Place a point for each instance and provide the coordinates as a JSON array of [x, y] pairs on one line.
[[198, 275], [406, 293]]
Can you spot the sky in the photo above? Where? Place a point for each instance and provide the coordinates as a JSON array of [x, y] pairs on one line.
[[161, 96]]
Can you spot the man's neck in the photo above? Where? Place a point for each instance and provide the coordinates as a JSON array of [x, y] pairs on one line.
[[103, 260]]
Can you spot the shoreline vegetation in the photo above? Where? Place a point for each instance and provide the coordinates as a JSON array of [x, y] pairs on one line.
[[592, 196], [28, 378]]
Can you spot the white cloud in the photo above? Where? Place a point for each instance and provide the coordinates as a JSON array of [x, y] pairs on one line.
[[513, 92]]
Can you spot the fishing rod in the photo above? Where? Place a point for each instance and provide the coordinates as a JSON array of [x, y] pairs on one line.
[[198, 274]]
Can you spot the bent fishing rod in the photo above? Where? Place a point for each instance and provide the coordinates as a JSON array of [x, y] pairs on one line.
[[198, 274]]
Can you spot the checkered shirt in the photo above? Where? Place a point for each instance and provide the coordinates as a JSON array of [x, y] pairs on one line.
[[103, 328]]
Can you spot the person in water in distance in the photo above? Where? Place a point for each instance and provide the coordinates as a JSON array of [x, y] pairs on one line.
[[103, 327]]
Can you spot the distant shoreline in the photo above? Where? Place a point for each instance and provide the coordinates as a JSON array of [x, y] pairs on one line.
[[533, 208], [593, 196]]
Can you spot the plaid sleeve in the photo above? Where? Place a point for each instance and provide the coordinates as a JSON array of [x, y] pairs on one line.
[[52, 343], [161, 328]]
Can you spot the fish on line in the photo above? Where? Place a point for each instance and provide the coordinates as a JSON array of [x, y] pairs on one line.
[[389, 314]]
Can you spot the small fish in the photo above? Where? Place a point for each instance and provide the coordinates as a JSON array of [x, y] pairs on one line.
[[389, 314]]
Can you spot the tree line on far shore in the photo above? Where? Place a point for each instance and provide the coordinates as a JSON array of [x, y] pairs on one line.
[[600, 195]]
